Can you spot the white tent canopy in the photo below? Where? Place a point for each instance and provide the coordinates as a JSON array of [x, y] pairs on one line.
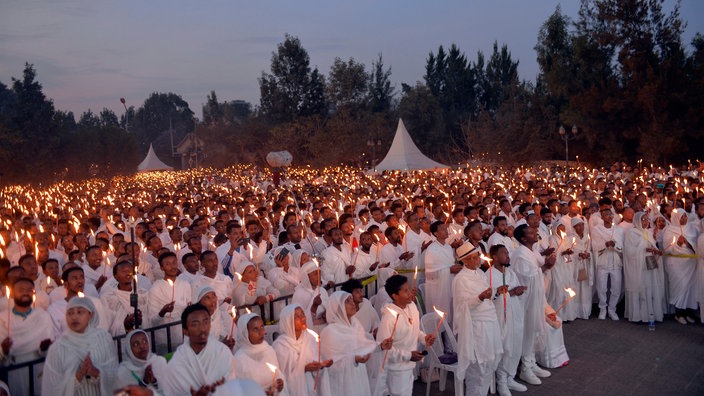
[[405, 155], [152, 162]]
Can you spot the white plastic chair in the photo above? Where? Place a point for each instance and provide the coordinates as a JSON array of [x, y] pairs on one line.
[[428, 323], [420, 302]]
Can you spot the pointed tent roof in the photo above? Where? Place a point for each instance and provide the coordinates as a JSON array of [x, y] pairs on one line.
[[405, 155], [152, 162]]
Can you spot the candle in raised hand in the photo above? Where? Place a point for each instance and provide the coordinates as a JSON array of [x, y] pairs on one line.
[[442, 317]]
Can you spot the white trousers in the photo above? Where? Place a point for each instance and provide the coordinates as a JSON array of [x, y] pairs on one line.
[[475, 383], [400, 383], [602, 286]]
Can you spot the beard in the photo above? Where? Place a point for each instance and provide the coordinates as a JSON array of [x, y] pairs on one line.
[[24, 302]]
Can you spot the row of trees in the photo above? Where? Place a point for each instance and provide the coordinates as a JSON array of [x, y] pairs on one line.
[[619, 72]]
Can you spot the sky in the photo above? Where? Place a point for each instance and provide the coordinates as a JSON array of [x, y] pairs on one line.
[[88, 54]]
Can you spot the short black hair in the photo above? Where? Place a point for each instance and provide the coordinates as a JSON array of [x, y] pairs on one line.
[[497, 219], [350, 285], [164, 256], [394, 284], [67, 271], [189, 310], [495, 249], [520, 232], [186, 257], [435, 226]]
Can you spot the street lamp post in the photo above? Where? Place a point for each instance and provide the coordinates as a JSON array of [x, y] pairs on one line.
[[127, 114], [374, 143], [567, 137]]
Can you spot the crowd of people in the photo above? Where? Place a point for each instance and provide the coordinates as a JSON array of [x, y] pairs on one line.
[[475, 267]]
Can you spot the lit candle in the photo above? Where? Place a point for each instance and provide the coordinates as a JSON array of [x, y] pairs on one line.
[[415, 276], [273, 379], [234, 316], [488, 260], [239, 280], [317, 339], [9, 309], [441, 314], [173, 288], [395, 314], [571, 294]]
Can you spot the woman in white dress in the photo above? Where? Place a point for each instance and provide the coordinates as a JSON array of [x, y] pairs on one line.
[[563, 274], [680, 265], [83, 361], [643, 273], [139, 365], [297, 350], [254, 353], [345, 342]]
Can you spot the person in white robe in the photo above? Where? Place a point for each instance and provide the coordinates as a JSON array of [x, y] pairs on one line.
[[530, 274], [337, 260], [167, 300], [440, 268], [584, 269], [83, 361], [311, 296], [345, 342], [562, 275], [222, 327], [644, 277], [394, 254], [117, 300], [201, 363], [26, 337], [699, 272], [365, 260], [254, 287], [554, 354], [254, 356], [366, 314], [192, 274], [607, 244], [402, 314], [510, 313], [74, 283], [140, 366], [221, 283], [297, 351], [416, 241], [680, 265], [284, 276], [96, 269], [475, 323]]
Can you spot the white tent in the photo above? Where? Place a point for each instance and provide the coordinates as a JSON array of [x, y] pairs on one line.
[[152, 162], [405, 155]]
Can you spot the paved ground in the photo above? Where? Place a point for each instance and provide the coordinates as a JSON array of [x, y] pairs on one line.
[[622, 358]]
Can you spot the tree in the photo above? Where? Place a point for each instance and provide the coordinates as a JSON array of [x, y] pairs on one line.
[[381, 92], [291, 89], [160, 115], [347, 84]]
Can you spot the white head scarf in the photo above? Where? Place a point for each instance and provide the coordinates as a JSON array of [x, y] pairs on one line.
[[246, 346], [130, 361], [344, 336]]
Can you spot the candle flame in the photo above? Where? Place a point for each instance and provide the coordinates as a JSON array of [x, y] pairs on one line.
[[239, 277], [48, 281], [439, 312], [394, 313], [81, 295], [570, 292], [314, 334], [271, 367], [562, 234], [171, 283], [415, 273], [7, 292], [249, 311], [485, 258], [234, 312]]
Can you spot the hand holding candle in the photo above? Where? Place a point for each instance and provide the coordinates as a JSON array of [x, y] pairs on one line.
[[571, 294], [273, 379]]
